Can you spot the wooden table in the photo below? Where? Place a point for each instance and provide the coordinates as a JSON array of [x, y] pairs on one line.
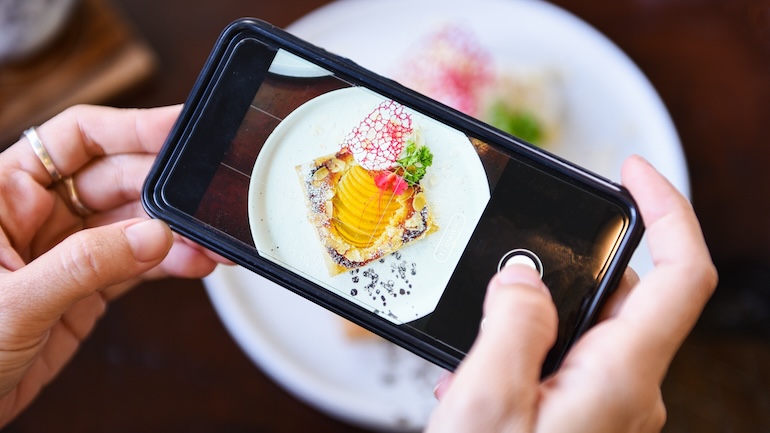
[[160, 360]]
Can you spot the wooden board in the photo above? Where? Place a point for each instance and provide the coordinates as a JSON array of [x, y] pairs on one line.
[[95, 57]]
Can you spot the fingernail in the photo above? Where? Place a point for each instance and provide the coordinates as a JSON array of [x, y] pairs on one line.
[[441, 384], [519, 275], [149, 240], [644, 161]]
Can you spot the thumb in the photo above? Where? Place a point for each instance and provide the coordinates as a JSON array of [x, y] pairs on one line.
[[499, 379], [84, 263], [520, 326]]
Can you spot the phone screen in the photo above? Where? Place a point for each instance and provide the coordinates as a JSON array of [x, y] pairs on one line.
[[379, 204]]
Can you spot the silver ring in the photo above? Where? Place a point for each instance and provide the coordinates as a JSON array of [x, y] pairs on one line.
[[42, 154], [72, 194]]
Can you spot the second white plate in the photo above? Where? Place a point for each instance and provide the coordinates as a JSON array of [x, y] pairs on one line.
[[612, 112]]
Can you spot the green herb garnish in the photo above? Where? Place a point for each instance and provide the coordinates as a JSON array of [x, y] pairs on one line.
[[519, 123], [415, 163]]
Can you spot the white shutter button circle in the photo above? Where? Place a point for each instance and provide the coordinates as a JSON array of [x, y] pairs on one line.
[[521, 256]]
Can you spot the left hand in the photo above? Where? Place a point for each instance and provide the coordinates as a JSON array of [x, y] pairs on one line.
[[58, 268]]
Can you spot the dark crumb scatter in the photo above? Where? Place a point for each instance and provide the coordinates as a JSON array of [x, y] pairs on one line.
[[376, 287]]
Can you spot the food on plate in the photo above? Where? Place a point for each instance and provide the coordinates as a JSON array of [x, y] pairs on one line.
[[527, 103], [353, 332], [452, 66], [366, 200]]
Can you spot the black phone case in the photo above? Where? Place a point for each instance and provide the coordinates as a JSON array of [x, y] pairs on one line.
[[214, 240]]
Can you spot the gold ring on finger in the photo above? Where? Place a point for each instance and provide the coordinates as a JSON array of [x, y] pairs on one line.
[[72, 194], [42, 153]]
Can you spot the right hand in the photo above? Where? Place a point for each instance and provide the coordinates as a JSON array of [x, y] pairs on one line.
[[610, 380]]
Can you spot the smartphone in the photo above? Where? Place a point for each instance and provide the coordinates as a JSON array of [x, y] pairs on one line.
[[378, 203]]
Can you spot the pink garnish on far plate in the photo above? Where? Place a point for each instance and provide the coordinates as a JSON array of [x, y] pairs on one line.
[[377, 142], [450, 66]]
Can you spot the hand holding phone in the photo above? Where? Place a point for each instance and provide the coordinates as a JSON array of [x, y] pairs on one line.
[[378, 203], [611, 380]]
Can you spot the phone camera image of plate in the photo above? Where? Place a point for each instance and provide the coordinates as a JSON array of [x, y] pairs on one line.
[[403, 286]]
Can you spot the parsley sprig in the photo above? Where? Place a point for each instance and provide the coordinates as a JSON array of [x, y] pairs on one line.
[[415, 163]]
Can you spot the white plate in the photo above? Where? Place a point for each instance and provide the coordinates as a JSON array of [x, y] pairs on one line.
[[613, 112], [289, 65], [302, 346], [282, 233]]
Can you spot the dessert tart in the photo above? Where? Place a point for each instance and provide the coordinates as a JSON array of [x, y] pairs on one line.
[[366, 201], [452, 66]]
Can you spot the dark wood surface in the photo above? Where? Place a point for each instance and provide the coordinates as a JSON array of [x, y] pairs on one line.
[[93, 57], [160, 360]]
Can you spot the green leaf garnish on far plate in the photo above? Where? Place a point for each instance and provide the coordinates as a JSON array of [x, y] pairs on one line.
[[415, 163], [519, 123]]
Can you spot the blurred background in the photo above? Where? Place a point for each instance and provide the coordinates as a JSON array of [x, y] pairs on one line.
[[162, 360]]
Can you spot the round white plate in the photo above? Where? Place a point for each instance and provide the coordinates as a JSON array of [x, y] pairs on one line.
[[370, 383], [613, 112], [400, 287]]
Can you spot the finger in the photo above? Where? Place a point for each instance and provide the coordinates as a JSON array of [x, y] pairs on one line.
[[500, 377], [616, 300], [81, 133], [442, 384], [131, 209], [111, 181], [666, 213], [666, 304], [517, 305], [24, 211], [186, 259], [656, 420], [182, 261], [36, 295]]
